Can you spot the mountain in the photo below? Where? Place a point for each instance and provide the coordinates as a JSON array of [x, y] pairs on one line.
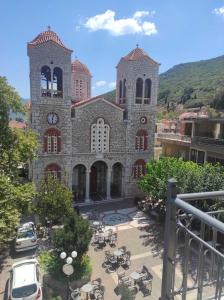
[[192, 84]]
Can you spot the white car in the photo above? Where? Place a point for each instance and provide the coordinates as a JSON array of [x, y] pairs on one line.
[[26, 238], [25, 281]]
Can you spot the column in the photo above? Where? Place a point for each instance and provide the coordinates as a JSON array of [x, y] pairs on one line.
[[193, 129], [108, 183], [87, 199]]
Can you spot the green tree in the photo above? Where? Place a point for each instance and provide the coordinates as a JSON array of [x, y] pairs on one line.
[[17, 148], [190, 176], [75, 235], [15, 199], [54, 200], [218, 100]]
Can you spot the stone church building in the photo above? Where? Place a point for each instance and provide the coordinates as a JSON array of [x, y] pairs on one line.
[[98, 147]]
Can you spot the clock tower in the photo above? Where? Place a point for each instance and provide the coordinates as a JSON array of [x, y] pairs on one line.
[[50, 87]]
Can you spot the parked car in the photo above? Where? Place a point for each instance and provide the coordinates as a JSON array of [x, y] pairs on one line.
[[26, 238], [25, 281]]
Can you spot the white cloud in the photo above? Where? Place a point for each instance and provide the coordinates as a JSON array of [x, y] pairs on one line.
[[219, 11], [112, 84], [123, 26], [101, 83]]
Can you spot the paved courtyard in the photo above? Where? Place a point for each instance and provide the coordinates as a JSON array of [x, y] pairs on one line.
[[143, 237]]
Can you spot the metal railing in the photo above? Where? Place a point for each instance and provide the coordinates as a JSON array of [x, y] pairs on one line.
[[208, 140], [193, 261], [174, 136]]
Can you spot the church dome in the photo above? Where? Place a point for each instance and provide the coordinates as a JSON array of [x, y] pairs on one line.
[[46, 36], [136, 54], [78, 67]]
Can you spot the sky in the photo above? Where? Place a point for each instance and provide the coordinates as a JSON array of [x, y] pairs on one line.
[[102, 31]]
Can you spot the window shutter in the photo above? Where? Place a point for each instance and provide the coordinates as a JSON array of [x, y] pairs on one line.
[[59, 143], [145, 142], [45, 143], [136, 142]]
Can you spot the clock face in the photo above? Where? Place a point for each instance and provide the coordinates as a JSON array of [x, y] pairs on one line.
[[143, 120], [52, 118]]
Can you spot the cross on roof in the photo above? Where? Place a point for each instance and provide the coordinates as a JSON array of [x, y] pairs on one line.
[[49, 28], [137, 45]]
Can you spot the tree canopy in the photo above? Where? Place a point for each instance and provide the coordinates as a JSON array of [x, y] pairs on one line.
[[190, 176], [17, 149], [54, 200]]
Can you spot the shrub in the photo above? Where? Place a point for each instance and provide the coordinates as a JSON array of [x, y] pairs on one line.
[[52, 264]]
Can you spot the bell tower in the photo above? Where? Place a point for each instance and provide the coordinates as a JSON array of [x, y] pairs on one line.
[[50, 88], [136, 92]]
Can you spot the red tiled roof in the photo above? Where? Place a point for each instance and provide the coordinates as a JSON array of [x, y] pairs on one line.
[[137, 54], [82, 102], [46, 36], [79, 67], [16, 124]]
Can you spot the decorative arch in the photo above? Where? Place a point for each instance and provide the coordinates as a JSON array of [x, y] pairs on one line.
[[98, 180], [139, 168], [147, 91], [57, 82], [45, 81], [100, 136], [139, 91], [141, 140], [52, 141], [53, 170]]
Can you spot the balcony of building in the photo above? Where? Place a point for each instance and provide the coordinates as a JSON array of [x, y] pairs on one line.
[[193, 260], [174, 138]]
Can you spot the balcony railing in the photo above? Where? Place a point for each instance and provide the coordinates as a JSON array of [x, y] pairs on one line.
[[174, 136], [193, 261], [208, 140]]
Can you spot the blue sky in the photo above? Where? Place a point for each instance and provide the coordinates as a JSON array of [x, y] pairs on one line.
[[101, 31]]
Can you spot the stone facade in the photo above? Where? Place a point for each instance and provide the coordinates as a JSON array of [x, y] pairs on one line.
[[100, 174]]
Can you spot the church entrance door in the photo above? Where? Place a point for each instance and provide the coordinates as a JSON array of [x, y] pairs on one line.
[[98, 181]]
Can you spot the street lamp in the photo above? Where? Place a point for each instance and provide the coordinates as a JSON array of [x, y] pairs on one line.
[[68, 268]]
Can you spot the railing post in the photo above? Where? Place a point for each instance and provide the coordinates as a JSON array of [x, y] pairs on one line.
[[169, 242]]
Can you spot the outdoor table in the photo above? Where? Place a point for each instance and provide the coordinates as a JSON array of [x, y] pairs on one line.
[[135, 275], [96, 223], [118, 253], [87, 288]]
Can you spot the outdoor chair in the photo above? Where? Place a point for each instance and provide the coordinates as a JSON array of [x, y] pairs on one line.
[[101, 241], [95, 239], [123, 248], [107, 253], [96, 283], [75, 294], [133, 289], [113, 240]]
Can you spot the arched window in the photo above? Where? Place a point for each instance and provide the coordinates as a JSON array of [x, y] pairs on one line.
[[139, 168], [147, 95], [124, 90], [52, 141], [100, 136], [53, 171], [57, 83], [45, 81], [139, 91], [120, 91], [141, 140]]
